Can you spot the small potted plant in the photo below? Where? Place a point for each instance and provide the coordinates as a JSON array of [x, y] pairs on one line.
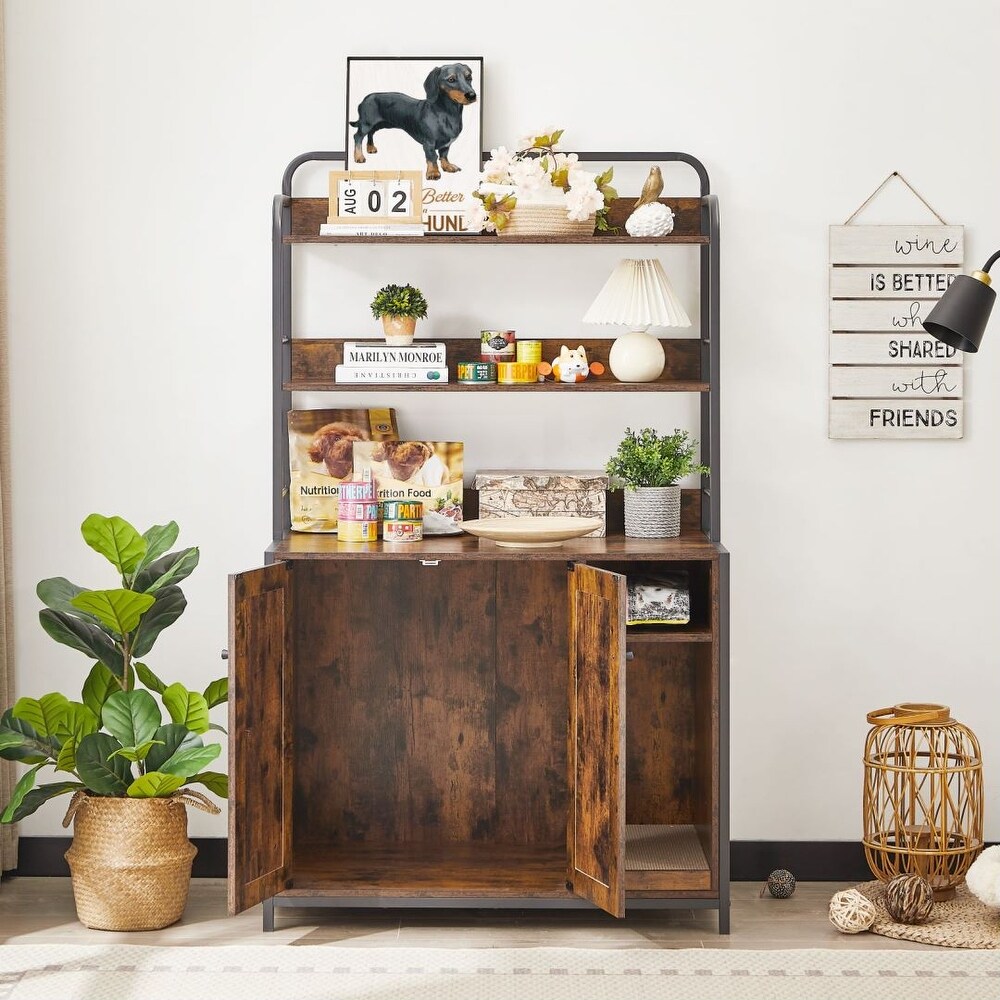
[[649, 466], [128, 769], [399, 306]]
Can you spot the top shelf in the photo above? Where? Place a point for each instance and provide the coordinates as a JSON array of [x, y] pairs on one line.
[[308, 214]]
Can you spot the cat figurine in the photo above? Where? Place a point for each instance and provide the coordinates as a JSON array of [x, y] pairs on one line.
[[572, 366]]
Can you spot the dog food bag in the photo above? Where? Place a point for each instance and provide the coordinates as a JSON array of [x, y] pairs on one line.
[[429, 472], [321, 454]]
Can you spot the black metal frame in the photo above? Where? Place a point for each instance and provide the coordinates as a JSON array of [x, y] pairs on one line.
[[711, 492]]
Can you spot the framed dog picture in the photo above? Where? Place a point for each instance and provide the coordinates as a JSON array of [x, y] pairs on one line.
[[420, 113]]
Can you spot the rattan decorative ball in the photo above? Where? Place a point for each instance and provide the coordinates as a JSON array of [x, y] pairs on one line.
[[781, 883], [909, 899], [654, 219], [851, 912]]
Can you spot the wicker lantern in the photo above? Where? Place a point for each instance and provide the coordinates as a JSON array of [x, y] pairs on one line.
[[923, 800]]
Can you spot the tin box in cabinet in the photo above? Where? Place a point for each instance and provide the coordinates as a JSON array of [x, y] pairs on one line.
[[538, 492]]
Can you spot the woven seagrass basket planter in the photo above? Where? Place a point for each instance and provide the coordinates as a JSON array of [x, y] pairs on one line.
[[545, 220], [130, 861], [653, 512]]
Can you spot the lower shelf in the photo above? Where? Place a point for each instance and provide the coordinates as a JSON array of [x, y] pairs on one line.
[[666, 858], [429, 870]]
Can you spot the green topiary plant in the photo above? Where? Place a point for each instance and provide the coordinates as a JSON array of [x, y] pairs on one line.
[[650, 459], [399, 300], [113, 742]]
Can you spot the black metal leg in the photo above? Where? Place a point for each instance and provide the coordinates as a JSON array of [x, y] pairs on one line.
[[269, 914], [724, 916]]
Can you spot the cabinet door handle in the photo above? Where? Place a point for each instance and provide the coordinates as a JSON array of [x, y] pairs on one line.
[[429, 562], [225, 654], [629, 655]]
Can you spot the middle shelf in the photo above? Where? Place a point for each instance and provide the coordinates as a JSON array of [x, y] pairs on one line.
[[315, 360]]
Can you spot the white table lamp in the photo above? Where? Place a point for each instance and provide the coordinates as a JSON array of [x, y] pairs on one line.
[[637, 294]]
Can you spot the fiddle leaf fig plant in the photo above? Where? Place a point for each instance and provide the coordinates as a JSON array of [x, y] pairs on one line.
[[114, 740]]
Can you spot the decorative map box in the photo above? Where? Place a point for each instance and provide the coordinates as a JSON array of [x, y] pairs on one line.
[[531, 492]]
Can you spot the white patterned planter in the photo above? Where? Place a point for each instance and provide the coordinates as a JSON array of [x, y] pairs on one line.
[[653, 512]]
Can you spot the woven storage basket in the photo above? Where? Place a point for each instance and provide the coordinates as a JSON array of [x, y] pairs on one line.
[[131, 860], [545, 220], [653, 512]]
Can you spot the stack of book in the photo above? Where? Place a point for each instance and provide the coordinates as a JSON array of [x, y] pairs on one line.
[[375, 363]]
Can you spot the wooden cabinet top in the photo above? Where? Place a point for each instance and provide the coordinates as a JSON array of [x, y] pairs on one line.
[[689, 546]]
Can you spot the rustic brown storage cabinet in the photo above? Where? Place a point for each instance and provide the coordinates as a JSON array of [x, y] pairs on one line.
[[506, 740]]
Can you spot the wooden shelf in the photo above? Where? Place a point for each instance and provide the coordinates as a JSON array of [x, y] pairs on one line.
[[489, 239], [308, 214], [693, 546], [314, 362], [667, 633], [661, 857], [667, 857], [602, 385], [448, 870]]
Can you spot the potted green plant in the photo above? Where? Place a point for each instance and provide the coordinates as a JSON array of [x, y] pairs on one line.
[[129, 769], [649, 465], [399, 306]]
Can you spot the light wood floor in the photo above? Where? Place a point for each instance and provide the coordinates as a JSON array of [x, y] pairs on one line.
[[40, 910]]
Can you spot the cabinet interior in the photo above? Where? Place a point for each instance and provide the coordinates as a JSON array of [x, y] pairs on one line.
[[430, 733]]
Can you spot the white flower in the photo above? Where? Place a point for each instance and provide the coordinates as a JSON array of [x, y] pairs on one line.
[[499, 161], [583, 201], [581, 178], [496, 176], [528, 141], [566, 160], [476, 218], [528, 174]]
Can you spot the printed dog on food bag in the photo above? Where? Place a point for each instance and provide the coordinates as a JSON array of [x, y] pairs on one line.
[[435, 122], [412, 462], [333, 445]]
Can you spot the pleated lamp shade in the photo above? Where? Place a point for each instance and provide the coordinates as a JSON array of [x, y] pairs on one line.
[[638, 294]]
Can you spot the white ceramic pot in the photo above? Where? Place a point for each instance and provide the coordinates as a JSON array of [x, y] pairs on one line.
[[653, 512]]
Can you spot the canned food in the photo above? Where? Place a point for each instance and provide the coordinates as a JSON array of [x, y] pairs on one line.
[[529, 350], [498, 345], [403, 531], [517, 372], [357, 531], [402, 510], [357, 510], [477, 371], [402, 521], [357, 489]]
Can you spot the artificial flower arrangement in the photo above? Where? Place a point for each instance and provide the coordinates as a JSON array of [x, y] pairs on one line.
[[537, 174]]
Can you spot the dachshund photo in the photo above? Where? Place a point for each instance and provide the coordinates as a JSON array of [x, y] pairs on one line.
[[434, 122]]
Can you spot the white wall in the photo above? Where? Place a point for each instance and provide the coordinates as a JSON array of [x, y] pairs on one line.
[[147, 139]]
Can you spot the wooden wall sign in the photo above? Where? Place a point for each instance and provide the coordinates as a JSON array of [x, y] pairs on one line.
[[889, 378]]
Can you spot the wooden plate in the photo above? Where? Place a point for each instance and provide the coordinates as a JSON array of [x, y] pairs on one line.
[[531, 532]]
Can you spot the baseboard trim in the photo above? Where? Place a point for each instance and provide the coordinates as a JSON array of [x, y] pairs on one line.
[[751, 860], [44, 857]]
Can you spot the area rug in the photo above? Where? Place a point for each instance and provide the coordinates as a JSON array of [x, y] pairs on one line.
[[962, 922], [123, 972]]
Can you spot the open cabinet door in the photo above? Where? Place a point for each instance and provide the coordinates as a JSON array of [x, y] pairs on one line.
[[260, 736], [596, 834]]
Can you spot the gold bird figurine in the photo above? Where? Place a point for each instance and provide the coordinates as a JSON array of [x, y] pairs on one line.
[[652, 189]]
